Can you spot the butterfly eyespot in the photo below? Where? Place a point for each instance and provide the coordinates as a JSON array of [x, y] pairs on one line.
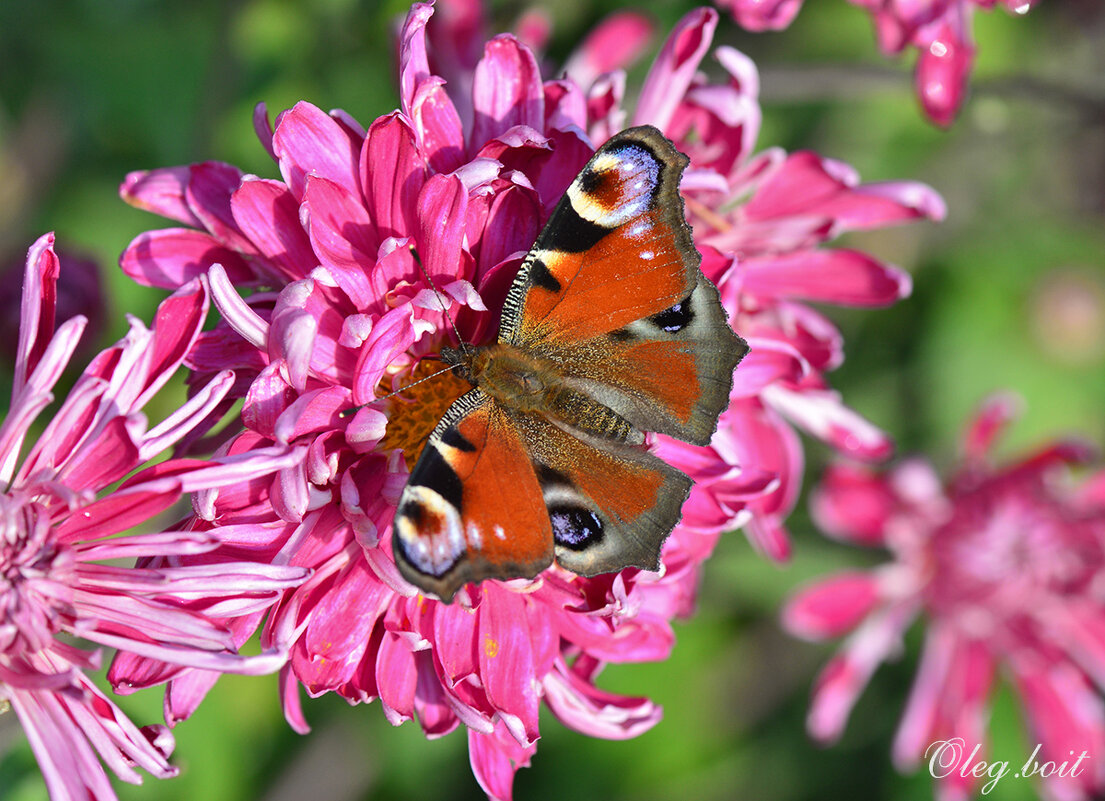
[[676, 318], [575, 527]]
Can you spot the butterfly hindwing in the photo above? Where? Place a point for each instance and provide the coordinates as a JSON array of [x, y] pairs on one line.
[[472, 507], [610, 505], [613, 292]]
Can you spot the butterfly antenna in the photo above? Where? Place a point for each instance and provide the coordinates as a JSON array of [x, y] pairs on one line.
[[401, 390], [444, 309]]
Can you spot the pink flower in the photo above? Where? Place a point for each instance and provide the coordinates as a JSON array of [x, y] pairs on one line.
[[461, 179], [1006, 565], [58, 526], [940, 30]]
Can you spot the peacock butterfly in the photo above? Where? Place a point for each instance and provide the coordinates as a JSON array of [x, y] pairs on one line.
[[609, 330]]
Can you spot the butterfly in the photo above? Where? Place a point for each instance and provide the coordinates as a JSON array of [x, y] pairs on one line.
[[609, 330]]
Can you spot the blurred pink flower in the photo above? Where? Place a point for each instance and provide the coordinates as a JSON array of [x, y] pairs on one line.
[[58, 526], [461, 179], [940, 30], [1006, 565]]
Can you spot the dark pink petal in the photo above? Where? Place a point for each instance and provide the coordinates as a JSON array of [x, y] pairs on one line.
[[831, 607], [423, 97], [107, 457], [339, 228], [506, 91], [313, 412], [853, 503], [675, 67], [268, 397], [391, 336], [397, 678], [767, 362], [442, 208], [171, 257], [943, 69], [506, 658], [263, 128], [988, 424], [268, 214], [37, 308], [161, 191], [392, 175], [762, 15], [116, 512], [495, 758], [176, 325], [208, 192], [341, 624], [308, 139]]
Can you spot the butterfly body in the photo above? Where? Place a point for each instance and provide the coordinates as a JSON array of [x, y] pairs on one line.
[[610, 330]]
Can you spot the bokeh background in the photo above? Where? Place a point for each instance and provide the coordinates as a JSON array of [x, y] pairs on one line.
[[1009, 292]]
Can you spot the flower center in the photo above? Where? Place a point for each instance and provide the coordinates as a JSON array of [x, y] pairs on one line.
[[1008, 555], [30, 558], [413, 413]]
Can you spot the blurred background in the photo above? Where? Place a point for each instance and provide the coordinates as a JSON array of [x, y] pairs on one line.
[[1009, 292]]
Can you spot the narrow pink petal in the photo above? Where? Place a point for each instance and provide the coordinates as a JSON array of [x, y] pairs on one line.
[[237, 313], [495, 758], [171, 257], [442, 208], [341, 233], [268, 213], [943, 69], [423, 97], [36, 308], [396, 678], [208, 192], [822, 414], [313, 412], [177, 323], [762, 15], [675, 67], [392, 175], [842, 680], [853, 503], [831, 607], [188, 416], [116, 512], [263, 128], [767, 362], [506, 91], [843, 277], [988, 424], [390, 337], [160, 191]]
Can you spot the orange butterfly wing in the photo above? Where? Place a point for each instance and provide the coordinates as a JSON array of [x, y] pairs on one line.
[[613, 291]]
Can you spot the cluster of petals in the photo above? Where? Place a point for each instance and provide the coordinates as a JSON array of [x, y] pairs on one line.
[[940, 31], [455, 186], [62, 518], [1005, 564]]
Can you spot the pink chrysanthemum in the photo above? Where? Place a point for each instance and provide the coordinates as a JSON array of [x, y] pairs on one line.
[[58, 526], [1006, 565], [461, 179], [940, 31]]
